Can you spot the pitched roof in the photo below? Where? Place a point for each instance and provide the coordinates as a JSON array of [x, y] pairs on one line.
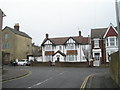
[[111, 32], [3, 14], [98, 33], [18, 32], [62, 40], [85, 40], [59, 41]]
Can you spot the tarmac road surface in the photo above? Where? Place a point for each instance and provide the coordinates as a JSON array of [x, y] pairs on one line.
[[52, 77]]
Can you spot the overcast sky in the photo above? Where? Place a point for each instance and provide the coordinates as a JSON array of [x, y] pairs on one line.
[[58, 18]]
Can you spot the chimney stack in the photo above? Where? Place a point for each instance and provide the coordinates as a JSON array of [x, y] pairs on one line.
[[16, 26], [79, 33], [47, 35]]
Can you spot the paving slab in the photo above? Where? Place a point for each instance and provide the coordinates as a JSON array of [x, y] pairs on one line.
[[102, 80], [12, 74]]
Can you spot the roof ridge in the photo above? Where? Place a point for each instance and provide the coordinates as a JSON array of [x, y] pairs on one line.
[[63, 37], [18, 32], [98, 28]]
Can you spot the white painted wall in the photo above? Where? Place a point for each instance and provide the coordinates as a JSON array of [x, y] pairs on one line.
[[64, 49], [61, 58]]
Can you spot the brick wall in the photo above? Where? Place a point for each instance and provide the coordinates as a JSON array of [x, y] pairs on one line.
[[62, 64], [115, 67]]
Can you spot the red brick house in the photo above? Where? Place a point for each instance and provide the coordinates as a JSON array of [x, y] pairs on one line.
[[104, 41]]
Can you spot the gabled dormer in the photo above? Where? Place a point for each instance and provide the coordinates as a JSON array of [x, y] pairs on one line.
[[70, 41], [111, 36], [48, 42], [111, 31], [70, 44]]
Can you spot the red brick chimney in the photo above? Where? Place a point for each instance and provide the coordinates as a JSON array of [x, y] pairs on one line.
[[47, 35], [16, 26], [79, 33]]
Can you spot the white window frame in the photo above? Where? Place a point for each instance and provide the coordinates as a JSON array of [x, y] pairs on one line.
[[6, 36], [115, 41], [71, 46], [96, 43], [48, 57], [112, 41], [60, 48], [71, 57], [5, 45], [48, 47]]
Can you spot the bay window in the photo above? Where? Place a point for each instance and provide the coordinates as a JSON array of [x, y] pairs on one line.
[[112, 41]]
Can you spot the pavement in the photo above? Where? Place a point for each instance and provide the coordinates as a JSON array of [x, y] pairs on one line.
[[100, 80], [13, 74]]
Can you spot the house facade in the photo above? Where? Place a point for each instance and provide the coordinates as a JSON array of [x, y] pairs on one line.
[[1, 21], [16, 44], [65, 49], [104, 41]]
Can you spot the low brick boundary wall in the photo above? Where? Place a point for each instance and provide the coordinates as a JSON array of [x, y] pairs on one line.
[[71, 64], [62, 64], [40, 64]]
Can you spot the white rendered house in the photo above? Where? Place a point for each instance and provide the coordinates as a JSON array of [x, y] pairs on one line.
[[64, 49]]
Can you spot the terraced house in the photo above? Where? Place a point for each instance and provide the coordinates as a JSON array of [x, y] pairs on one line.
[[65, 49], [104, 41], [16, 44]]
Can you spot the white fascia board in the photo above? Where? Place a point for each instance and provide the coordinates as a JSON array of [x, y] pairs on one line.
[[96, 50], [96, 39], [109, 28]]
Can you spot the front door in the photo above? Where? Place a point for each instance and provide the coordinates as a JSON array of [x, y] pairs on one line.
[[58, 59], [96, 61], [6, 58]]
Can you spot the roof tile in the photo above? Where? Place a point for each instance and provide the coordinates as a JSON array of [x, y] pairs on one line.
[[18, 32]]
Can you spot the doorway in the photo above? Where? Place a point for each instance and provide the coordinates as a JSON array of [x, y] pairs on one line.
[[6, 58], [58, 59], [96, 59]]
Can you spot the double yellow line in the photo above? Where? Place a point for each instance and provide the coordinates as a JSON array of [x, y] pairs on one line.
[[85, 81]]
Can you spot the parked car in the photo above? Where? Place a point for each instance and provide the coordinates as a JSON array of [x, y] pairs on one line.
[[28, 63], [13, 63], [22, 62]]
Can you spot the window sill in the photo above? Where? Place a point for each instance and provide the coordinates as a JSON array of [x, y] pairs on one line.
[[111, 46], [96, 47]]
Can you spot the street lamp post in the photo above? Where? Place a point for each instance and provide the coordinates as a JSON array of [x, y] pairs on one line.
[[118, 28]]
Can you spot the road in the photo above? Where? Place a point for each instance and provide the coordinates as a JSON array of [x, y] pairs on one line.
[[52, 77]]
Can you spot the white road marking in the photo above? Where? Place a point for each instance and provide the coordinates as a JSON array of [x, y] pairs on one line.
[[45, 80]]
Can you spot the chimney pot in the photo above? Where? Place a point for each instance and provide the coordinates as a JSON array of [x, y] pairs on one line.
[[16, 26], [47, 35]]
